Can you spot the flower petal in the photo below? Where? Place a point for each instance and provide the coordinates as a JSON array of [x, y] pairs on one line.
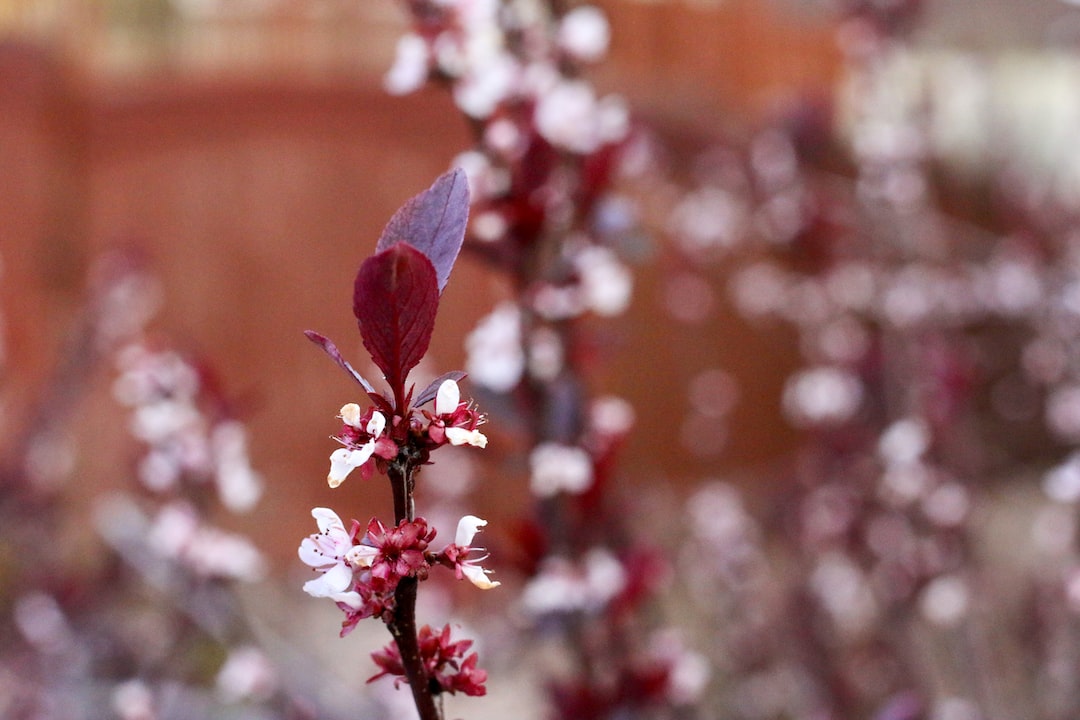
[[328, 521], [361, 555], [350, 414], [335, 580], [448, 398], [351, 598], [312, 556], [478, 576], [467, 528], [343, 461], [376, 424], [461, 436]]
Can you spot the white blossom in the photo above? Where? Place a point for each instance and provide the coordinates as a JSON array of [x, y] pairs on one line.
[[326, 552], [467, 528], [344, 460]]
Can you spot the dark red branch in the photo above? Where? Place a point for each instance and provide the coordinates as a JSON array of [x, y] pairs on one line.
[[403, 624], [403, 628]]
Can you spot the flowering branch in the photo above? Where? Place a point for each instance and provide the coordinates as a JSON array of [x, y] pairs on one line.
[[377, 573]]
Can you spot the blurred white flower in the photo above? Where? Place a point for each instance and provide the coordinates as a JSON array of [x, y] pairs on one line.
[[945, 600], [904, 441], [485, 179], [844, 593], [688, 671], [133, 700], [178, 533], [410, 69], [488, 84], [1063, 412], [246, 675], [611, 415], [584, 33], [607, 284], [559, 468], [546, 355], [41, 621], [495, 359], [708, 221], [568, 115], [1062, 482], [239, 485], [564, 586], [822, 395]]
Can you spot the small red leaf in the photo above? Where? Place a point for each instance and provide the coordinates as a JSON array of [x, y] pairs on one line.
[[395, 299], [433, 222], [331, 349]]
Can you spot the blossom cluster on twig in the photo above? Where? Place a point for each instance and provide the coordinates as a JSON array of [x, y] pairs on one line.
[[373, 571]]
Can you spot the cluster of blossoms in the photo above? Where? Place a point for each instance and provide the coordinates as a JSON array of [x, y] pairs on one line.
[[360, 571], [183, 458], [501, 55], [190, 445], [445, 660], [367, 439], [187, 438], [360, 568]]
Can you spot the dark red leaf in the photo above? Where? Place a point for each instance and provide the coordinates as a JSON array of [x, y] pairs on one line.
[[395, 299], [433, 222]]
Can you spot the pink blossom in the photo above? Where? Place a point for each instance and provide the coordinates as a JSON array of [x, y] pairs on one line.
[[396, 552], [326, 553], [457, 554], [455, 421]]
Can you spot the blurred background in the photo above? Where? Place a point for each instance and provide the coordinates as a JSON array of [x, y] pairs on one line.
[[247, 154], [251, 152]]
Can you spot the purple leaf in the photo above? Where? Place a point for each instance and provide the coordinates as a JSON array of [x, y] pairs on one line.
[[433, 222], [331, 349], [428, 394], [395, 299]]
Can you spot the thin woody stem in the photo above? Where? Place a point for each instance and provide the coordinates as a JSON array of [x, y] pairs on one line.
[[403, 624], [403, 628]]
